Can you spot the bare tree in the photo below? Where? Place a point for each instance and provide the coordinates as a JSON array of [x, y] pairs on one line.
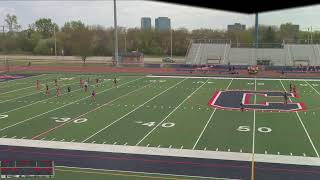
[[12, 23]]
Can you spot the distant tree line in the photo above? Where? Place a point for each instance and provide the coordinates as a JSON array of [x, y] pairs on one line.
[[78, 39]]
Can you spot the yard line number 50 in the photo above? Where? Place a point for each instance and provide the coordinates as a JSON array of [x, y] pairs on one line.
[[260, 129], [62, 120]]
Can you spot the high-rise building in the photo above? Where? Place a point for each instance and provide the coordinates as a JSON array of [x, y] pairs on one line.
[[146, 23], [162, 23], [236, 27]]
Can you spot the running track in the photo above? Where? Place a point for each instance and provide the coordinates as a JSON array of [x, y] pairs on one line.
[[162, 164]]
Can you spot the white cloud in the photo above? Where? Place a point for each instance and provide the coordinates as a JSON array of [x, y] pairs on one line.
[[304, 16], [130, 12]]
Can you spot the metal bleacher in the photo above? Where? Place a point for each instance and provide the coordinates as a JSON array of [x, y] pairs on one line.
[[287, 55]]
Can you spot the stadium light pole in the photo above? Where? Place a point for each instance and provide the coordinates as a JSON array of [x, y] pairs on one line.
[[115, 32], [55, 41], [125, 41], [257, 30], [311, 34], [171, 41]]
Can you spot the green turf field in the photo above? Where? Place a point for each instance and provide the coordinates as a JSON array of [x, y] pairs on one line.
[[80, 174], [164, 112]]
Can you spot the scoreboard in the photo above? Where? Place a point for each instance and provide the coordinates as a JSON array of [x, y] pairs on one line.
[[26, 168]]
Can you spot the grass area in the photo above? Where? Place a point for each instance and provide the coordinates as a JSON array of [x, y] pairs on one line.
[[81, 174], [160, 112]]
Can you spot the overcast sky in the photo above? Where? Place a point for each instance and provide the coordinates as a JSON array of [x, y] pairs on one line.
[[130, 12]]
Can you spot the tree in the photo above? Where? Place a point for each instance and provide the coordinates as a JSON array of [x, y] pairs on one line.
[[268, 35], [45, 27], [12, 23], [82, 44], [73, 26], [289, 31], [44, 47]]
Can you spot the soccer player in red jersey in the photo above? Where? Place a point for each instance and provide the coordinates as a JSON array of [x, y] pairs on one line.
[[294, 89], [58, 91], [93, 95], [81, 83]]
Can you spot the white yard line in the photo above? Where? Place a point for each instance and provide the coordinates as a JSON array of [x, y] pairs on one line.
[[144, 173], [42, 100], [37, 92], [302, 124], [254, 122], [236, 78], [313, 88], [23, 88], [17, 90], [205, 127], [170, 113], [236, 156], [65, 105], [229, 84], [13, 81], [131, 111]]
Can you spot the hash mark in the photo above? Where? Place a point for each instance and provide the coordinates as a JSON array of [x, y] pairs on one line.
[[304, 154], [228, 150], [181, 147], [278, 153], [159, 145], [93, 141], [14, 136], [217, 149], [125, 143], [62, 140], [103, 142], [290, 154], [43, 138], [240, 150], [52, 139], [265, 152], [73, 140], [170, 146], [23, 137], [148, 145]]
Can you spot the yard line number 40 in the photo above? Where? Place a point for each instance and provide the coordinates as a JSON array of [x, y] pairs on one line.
[[150, 124]]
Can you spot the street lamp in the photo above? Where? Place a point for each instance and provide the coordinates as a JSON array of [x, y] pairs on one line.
[[55, 41], [171, 41], [125, 41], [115, 32]]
